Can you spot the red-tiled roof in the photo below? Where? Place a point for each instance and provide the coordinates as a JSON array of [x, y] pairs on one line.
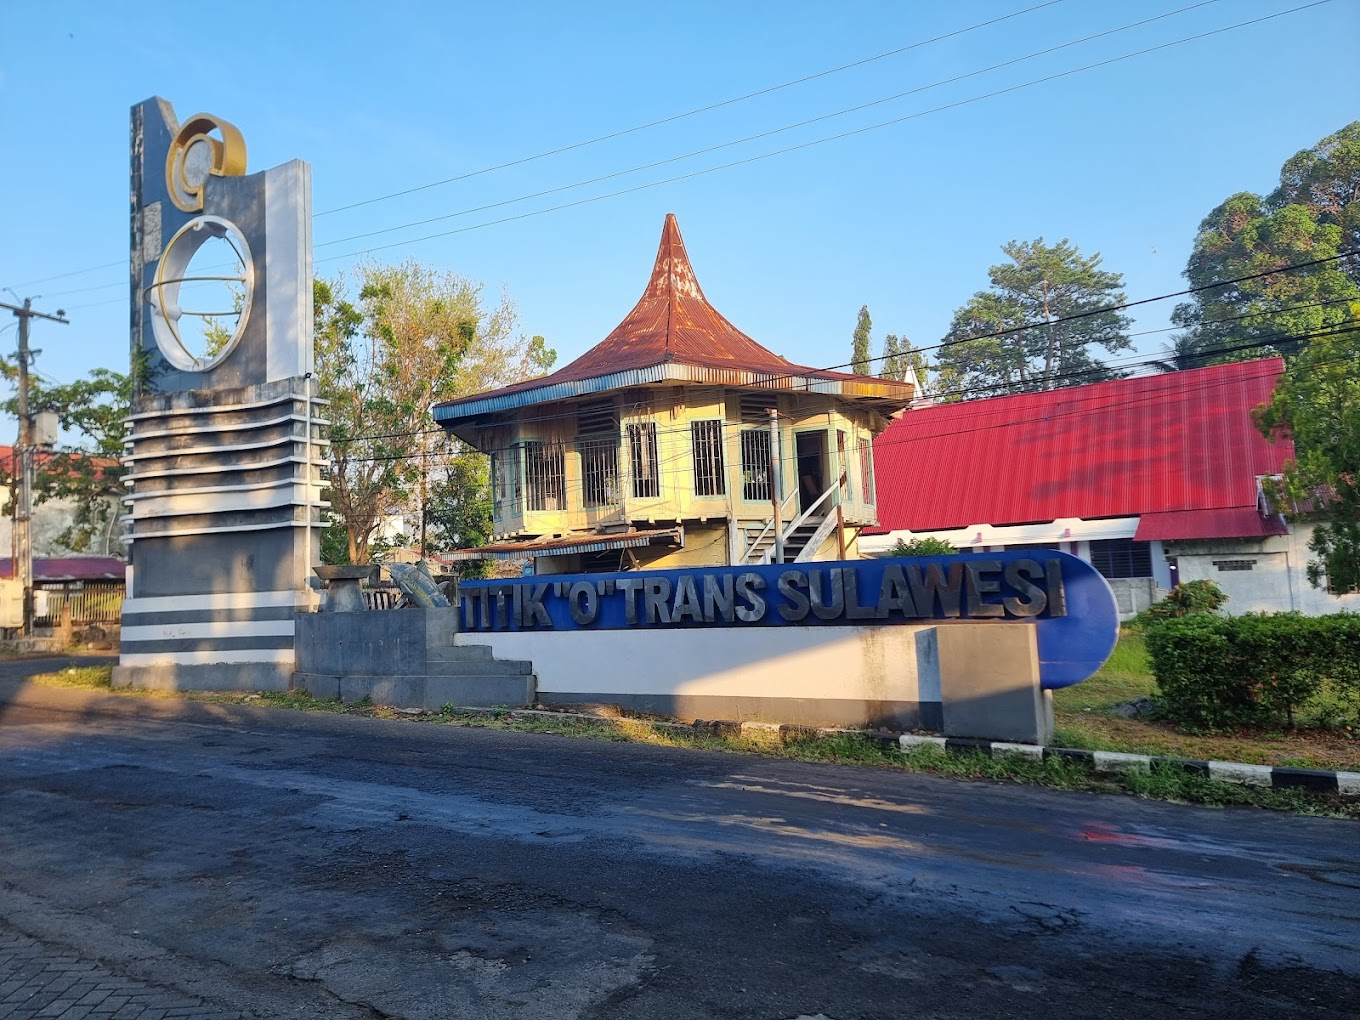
[[1183, 441], [674, 324]]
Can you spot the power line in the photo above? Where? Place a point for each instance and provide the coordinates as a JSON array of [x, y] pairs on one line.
[[774, 378], [965, 408], [611, 135], [821, 141], [690, 113], [777, 152], [765, 134]]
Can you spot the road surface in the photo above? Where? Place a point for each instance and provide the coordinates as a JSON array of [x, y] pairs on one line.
[[167, 858]]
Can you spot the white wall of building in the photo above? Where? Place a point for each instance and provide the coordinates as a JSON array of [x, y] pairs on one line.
[[1276, 580]]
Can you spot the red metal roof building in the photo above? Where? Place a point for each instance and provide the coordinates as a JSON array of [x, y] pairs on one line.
[[1154, 476], [1179, 448]]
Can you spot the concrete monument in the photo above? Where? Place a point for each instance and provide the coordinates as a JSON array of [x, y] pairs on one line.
[[225, 446]]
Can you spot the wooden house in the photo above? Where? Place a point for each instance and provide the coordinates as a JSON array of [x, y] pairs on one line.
[[678, 441]]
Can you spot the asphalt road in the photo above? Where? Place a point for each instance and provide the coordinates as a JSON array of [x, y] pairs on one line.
[[277, 864]]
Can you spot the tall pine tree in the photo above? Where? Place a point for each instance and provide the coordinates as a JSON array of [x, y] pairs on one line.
[[863, 339]]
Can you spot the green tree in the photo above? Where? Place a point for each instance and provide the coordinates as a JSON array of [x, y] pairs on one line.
[[89, 474], [900, 359], [1311, 316], [1040, 286], [927, 546], [862, 342], [414, 336]]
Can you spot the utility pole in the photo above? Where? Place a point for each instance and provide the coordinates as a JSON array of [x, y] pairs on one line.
[[23, 519]]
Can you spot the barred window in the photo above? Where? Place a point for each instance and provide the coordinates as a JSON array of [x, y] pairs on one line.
[[642, 459], [842, 465], [706, 440], [544, 471], [1122, 557], [600, 471], [505, 484], [755, 464], [866, 470]]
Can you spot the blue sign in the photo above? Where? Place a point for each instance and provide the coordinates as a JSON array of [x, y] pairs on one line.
[[1067, 600]]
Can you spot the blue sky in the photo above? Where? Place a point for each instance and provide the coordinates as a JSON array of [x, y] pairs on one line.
[[1124, 159]]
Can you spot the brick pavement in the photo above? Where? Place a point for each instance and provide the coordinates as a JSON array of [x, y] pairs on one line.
[[38, 983]]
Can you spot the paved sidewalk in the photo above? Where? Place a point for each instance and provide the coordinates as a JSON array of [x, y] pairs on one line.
[[37, 982]]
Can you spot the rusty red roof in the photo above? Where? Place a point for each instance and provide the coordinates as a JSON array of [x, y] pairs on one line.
[[70, 568], [674, 327], [1158, 444]]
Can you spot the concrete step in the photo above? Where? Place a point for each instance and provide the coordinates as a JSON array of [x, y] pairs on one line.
[[480, 667], [459, 653]]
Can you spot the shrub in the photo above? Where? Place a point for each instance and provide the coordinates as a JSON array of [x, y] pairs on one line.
[[1187, 599], [1224, 672], [923, 547]]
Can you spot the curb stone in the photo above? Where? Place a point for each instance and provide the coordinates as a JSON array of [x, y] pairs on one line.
[[1278, 777]]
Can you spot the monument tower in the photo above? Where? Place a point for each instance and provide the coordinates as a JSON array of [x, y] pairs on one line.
[[225, 452]]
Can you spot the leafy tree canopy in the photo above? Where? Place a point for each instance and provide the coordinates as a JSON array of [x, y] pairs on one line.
[[1312, 215], [88, 474], [413, 337], [1041, 285], [1311, 316]]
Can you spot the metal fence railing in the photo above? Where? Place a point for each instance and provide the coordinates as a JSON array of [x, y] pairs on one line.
[[89, 602]]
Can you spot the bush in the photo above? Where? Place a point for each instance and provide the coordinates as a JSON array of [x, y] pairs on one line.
[[1188, 599], [1226, 672], [923, 547]]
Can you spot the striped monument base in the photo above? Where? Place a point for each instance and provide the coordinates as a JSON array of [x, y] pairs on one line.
[[224, 528]]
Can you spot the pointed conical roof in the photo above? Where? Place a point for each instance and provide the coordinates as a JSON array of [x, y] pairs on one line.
[[673, 321], [674, 335]]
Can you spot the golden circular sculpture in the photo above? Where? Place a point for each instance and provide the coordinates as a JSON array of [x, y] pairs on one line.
[[196, 155]]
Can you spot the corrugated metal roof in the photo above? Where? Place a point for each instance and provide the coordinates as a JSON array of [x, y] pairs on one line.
[[570, 544], [71, 568], [1152, 444], [1236, 522], [673, 333]]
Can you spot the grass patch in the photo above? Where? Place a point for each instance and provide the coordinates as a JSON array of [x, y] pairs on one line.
[[1323, 741], [94, 677]]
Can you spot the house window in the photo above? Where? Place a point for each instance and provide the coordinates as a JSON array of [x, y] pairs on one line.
[[544, 471], [866, 470], [1234, 564], [599, 471], [1122, 557], [706, 441], [755, 464], [642, 459], [505, 483]]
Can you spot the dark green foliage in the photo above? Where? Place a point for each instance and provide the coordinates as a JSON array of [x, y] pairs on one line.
[[90, 474], [923, 547], [1185, 599], [1311, 316], [1052, 303], [861, 342], [1253, 670]]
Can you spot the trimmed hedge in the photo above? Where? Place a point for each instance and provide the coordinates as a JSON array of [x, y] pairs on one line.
[[1253, 670]]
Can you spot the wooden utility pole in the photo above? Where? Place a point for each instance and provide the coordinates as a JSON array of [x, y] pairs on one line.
[[23, 518]]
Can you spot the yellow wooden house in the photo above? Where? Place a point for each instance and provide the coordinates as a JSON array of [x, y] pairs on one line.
[[678, 441]]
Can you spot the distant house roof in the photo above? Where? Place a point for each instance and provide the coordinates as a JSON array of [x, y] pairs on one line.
[[71, 568], [9, 459], [1179, 450], [673, 334]]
